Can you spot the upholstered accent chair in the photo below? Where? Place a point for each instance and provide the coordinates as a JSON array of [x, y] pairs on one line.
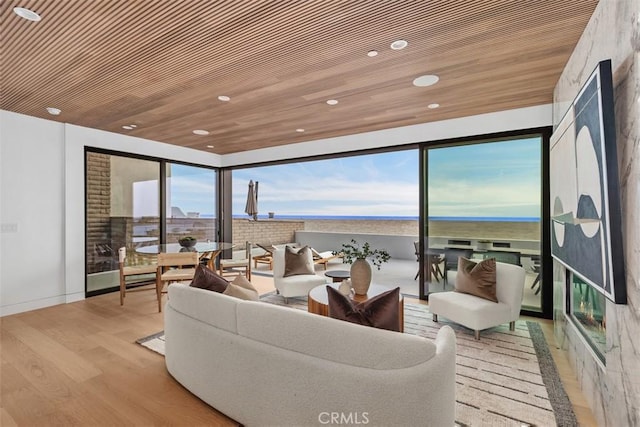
[[296, 285], [478, 313]]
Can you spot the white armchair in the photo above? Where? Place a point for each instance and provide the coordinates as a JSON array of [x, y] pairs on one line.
[[477, 313], [293, 286]]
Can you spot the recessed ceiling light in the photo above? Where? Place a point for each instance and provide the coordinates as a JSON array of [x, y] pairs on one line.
[[299, 130], [372, 53], [127, 127], [201, 132], [54, 111], [224, 98], [26, 14], [209, 146], [332, 101], [434, 105], [427, 80], [399, 44]]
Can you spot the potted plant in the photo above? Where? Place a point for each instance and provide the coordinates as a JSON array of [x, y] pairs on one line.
[[356, 255]]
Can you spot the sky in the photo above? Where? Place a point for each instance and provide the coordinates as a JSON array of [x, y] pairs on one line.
[[370, 185], [498, 179]]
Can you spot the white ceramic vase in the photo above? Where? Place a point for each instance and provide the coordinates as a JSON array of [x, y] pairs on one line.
[[345, 287], [360, 276]]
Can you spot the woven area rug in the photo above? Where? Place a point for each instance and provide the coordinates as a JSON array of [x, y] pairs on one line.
[[505, 379]]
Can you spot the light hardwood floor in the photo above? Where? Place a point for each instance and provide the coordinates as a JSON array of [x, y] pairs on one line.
[[78, 364]]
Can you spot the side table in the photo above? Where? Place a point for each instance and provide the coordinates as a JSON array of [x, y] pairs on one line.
[[338, 275]]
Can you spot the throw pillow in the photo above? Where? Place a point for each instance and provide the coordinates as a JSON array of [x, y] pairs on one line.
[[204, 278], [380, 311], [242, 288], [243, 282], [298, 261], [477, 279]]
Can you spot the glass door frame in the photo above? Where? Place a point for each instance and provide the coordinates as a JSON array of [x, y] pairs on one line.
[[546, 284], [162, 164]]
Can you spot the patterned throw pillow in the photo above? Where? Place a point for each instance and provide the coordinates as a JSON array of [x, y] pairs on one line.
[[209, 280], [477, 279], [380, 311], [298, 261]]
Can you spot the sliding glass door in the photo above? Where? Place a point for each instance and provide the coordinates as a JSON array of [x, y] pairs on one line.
[[191, 202], [483, 200], [122, 210], [125, 208]]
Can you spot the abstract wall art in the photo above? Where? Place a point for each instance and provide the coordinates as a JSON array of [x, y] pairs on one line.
[[586, 234]]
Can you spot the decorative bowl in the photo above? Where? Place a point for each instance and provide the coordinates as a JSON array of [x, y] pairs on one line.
[[187, 242]]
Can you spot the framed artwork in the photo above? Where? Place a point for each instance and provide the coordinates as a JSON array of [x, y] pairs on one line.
[[586, 234]]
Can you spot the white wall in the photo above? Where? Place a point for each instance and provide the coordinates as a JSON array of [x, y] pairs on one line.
[[32, 190], [42, 263], [42, 193]]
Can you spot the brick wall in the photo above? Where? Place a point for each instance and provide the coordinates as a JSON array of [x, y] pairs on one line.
[[100, 256], [267, 231]]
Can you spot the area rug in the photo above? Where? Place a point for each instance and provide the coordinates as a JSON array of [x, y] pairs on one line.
[[508, 378]]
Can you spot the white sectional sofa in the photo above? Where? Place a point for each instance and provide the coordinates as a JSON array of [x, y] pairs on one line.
[[267, 365]]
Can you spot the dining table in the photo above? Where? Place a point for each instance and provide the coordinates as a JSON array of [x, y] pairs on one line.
[[208, 251]]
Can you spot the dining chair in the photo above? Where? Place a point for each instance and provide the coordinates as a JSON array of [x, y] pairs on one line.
[[234, 263], [135, 271], [451, 256], [509, 257], [432, 258], [174, 267]]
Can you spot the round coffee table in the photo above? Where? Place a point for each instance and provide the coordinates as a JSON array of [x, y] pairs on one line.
[[338, 275], [318, 300]]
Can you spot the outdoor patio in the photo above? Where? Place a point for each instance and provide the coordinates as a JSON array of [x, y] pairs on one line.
[[401, 272]]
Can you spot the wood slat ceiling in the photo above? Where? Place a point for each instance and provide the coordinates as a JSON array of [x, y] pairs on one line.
[[161, 64]]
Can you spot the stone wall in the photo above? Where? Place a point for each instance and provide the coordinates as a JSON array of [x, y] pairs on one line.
[[613, 389]]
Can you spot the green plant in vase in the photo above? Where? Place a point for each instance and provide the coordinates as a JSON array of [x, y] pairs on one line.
[[357, 255], [353, 251]]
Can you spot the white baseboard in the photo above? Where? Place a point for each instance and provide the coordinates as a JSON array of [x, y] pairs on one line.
[[7, 310]]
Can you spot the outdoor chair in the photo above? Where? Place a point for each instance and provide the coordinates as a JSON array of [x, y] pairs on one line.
[[508, 257], [451, 256], [433, 259], [323, 258], [264, 258]]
